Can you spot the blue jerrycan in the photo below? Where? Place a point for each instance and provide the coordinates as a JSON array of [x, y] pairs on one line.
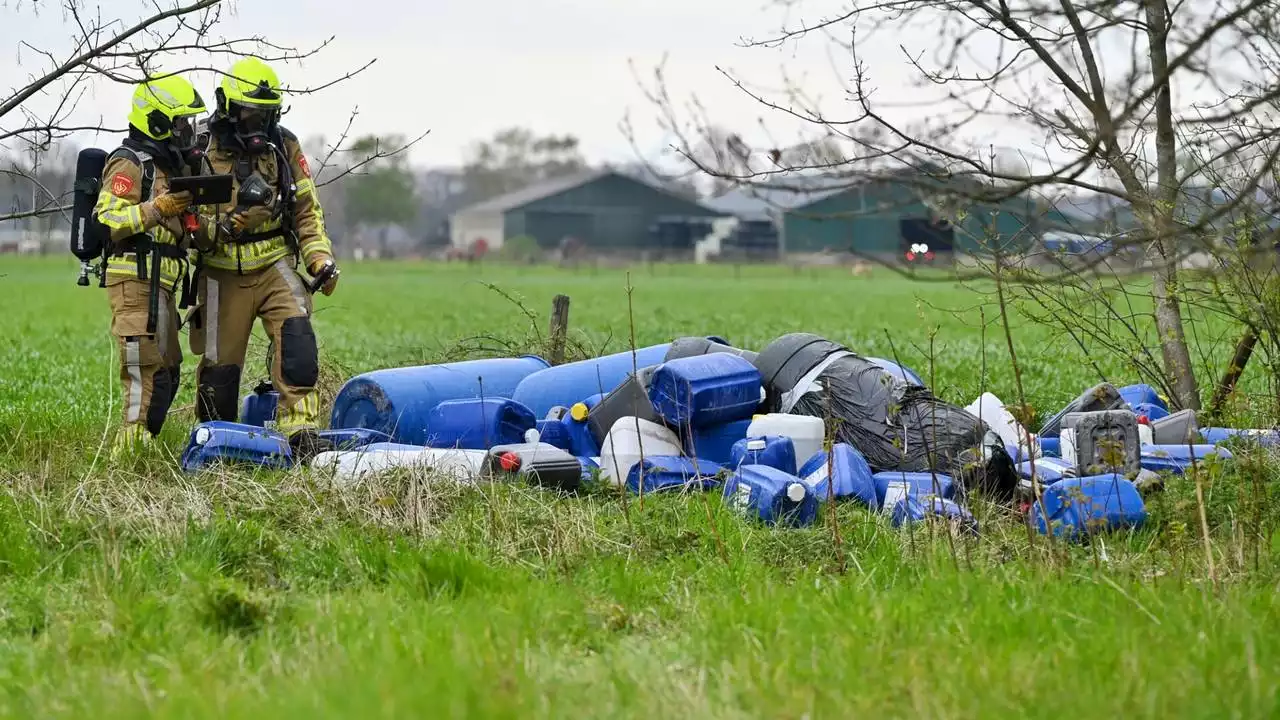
[[770, 495], [776, 451], [843, 474]]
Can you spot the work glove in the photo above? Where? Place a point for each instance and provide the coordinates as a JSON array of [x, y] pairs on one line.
[[314, 269], [171, 205], [239, 220]]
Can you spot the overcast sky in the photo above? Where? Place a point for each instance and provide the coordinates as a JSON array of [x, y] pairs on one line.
[[465, 68]]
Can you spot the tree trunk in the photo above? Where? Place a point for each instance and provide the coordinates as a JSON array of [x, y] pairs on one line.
[[1173, 340], [1164, 289], [1244, 350]]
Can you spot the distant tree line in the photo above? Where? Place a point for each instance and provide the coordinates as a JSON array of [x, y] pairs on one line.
[[383, 203]]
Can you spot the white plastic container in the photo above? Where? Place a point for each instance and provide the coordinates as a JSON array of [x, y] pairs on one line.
[[628, 437], [1146, 435], [806, 432], [1067, 447], [991, 410], [894, 492], [350, 465]]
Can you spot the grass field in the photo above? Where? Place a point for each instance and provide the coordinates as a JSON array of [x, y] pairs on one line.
[[143, 591]]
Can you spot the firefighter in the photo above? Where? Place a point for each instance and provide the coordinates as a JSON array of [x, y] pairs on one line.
[[146, 257], [249, 269]]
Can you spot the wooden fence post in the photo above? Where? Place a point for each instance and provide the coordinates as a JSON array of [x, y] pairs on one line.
[[559, 328]]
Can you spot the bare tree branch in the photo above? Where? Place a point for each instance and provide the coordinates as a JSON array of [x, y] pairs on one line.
[[42, 212], [1095, 82], [109, 49], [16, 100], [377, 154]]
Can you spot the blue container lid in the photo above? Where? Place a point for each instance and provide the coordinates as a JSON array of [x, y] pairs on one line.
[[367, 407]]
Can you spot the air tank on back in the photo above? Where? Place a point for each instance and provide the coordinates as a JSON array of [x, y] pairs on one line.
[[399, 401], [572, 382]]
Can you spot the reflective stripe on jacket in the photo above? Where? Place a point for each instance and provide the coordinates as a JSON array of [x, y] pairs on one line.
[[123, 210], [313, 241]]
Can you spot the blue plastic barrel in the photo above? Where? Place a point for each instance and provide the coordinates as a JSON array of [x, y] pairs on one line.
[[842, 474], [398, 401], [578, 423], [776, 451], [915, 508], [1153, 412], [1177, 458], [582, 441], [715, 443], [572, 382], [1142, 394], [475, 424], [916, 483], [1265, 438], [556, 432], [669, 472], [897, 371], [237, 443], [770, 495], [259, 408], [1085, 506], [1051, 446], [705, 390]]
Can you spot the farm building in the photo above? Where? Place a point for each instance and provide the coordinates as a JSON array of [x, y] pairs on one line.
[[886, 217], [605, 209]]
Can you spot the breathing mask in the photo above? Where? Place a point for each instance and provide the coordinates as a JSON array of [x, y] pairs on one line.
[[249, 126], [190, 140], [252, 126]]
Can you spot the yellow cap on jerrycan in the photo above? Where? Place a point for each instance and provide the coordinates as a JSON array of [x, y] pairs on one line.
[[579, 411]]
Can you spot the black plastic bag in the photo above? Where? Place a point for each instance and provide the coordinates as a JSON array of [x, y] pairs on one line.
[[897, 426]]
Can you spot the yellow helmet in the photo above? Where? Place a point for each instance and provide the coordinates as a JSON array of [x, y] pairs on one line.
[[249, 82], [160, 102], [249, 100]]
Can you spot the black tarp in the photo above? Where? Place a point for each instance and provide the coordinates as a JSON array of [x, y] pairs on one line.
[[895, 425]]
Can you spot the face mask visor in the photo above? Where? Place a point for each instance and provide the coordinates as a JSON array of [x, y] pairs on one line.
[[184, 133], [252, 126]]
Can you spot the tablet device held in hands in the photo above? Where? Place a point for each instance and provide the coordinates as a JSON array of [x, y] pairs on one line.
[[204, 189]]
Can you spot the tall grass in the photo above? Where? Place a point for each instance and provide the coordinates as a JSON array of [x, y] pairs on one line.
[[142, 590]]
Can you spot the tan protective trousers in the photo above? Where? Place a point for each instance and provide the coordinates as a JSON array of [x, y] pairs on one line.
[[150, 365], [228, 305]]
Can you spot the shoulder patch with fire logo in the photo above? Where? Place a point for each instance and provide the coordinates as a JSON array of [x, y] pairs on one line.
[[121, 184]]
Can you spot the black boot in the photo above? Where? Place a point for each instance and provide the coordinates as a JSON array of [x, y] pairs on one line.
[[306, 444]]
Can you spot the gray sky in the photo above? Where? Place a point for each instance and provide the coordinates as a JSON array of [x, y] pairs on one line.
[[465, 69]]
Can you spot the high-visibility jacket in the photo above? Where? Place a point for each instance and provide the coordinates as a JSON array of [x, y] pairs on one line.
[[130, 182], [265, 242]]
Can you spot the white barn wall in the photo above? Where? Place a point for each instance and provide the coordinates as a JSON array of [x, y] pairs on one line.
[[469, 227]]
